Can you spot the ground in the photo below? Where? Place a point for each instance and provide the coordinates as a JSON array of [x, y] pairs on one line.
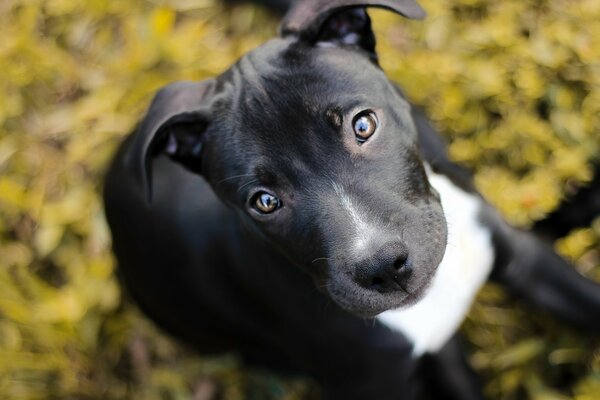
[[513, 85]]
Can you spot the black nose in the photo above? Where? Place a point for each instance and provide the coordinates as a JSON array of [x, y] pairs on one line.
[[387, 270]]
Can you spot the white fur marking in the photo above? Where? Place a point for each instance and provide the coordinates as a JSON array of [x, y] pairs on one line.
[[466, 265], [362, 229]]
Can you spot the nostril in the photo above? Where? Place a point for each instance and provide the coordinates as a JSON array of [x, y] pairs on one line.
[[400, 262], [376, 282], [387, 270]]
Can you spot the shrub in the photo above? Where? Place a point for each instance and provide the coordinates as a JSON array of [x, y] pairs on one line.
[[513, 84]]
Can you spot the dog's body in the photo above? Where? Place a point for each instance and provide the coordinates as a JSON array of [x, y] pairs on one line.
[[302, 203]]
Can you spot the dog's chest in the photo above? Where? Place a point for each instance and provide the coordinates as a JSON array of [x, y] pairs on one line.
[[466, 265]]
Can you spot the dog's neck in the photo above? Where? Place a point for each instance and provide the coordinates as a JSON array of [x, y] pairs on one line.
[[466, 265]]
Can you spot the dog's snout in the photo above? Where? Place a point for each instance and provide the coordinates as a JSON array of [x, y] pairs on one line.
[[387, 270]]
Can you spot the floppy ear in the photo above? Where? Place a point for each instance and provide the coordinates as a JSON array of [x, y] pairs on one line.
[[341, 22], [174, 125]]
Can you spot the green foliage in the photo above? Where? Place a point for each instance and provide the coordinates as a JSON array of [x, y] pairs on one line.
[[515, 85], [76, 77]]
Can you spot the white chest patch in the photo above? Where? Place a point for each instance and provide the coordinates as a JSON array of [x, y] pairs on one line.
[[466, 265]]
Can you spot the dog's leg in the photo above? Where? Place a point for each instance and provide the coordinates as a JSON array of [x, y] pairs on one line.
[[447, 374], [383, 376], [577, 211], [530, 269], [526, 265]]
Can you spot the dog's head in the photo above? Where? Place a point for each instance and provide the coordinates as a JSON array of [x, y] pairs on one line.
[[316, 151]]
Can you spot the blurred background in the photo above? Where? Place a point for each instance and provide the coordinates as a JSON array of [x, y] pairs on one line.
[[514, 85]]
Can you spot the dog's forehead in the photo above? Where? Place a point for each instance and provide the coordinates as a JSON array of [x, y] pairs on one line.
[[287, 99], [292, 75]]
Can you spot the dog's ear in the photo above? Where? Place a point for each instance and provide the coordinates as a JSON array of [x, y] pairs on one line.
[[341, 22], [174, 125]]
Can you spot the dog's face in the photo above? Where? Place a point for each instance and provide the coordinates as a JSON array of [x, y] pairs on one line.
[[317, 152]]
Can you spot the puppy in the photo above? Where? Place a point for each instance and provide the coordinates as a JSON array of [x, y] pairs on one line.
[[298, 210]]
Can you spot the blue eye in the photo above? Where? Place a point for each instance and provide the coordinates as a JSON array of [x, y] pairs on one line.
[[266, 203], [365, 125]]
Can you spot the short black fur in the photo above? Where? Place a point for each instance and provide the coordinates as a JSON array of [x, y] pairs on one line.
[[360, 230]]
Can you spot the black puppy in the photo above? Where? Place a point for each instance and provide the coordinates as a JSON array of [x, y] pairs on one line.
[[307, 178]]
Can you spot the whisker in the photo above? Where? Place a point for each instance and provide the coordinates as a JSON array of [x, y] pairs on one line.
[[328, 305], [234, 177], [320, 259], [247, 184]]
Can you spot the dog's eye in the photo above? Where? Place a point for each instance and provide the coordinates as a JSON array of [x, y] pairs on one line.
[[365, 125], [266, 203]]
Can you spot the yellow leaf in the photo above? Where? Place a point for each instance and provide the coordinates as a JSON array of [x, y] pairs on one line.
[[46, 238], [162, 21], [64, 306]]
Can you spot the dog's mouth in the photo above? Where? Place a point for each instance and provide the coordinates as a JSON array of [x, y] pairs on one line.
[[368, 303], [397, 270]]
